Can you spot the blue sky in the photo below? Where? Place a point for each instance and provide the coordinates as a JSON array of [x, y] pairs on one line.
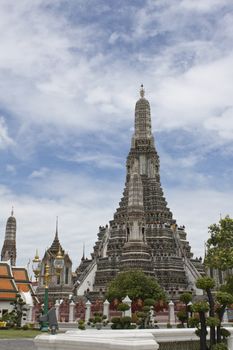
[[70, 73]]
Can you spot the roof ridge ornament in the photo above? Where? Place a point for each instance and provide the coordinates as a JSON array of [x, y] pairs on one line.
[[56, 234], [142, 91]]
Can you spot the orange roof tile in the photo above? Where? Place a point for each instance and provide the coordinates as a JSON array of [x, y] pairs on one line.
[[23, 287], [4, 270], [6, 284], [20, 274], [7, 296]]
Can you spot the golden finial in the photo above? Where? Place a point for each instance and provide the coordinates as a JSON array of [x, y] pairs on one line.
[[59, 253], [36, 256], [142, 91]]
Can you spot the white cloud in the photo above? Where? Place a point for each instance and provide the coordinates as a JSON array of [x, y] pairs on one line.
[[5, 139], [99, 159], [11, 168], [205, 6], [195, 97], [61, 76], [41, 173], [197, 209]]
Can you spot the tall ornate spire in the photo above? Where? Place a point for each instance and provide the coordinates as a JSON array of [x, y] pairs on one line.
[[142, 117], [141, 234], [9, 245], [56, 243]]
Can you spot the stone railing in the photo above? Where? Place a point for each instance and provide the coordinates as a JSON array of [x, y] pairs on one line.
[[146, 339]]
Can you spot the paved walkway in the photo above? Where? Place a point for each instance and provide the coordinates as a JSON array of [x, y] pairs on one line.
[[17, 344]]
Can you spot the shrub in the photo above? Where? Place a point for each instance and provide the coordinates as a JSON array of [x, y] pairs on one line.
[[81, 325], [146, 308], [97, 319], [182, 316], [149, 302], [220, 346], [212, 321], [125, 320], [169, 325], [180, 325], [193, 322], [25, 327], [123, 307], [121, 322], [115, 319], [224, 332]]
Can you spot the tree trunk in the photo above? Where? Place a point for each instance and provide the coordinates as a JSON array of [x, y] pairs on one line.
[[220, 315], [212, 329], [202, 331]]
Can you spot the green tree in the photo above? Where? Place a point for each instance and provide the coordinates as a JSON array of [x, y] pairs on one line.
[[136, 284], [18, 309], [223, 300], [219, 245], [201, 308], [206, 284], [186, 298], [216, 307], [123, 307], [228, 286]]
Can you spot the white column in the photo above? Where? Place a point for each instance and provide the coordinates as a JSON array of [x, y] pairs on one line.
[[106, 309], [88, 311], [171, 316], [128, 301], [29, 314], [57, 305], [71, 311]]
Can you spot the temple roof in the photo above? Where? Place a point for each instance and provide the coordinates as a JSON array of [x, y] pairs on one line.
[[22, 280], [8, 288], [56, 245]]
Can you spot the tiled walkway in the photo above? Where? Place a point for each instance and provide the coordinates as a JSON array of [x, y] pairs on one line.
[[17, 344]]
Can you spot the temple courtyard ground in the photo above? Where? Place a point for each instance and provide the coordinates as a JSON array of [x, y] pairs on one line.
[[17, 344]]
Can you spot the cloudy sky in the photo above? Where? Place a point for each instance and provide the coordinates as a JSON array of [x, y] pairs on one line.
[[70, 72]]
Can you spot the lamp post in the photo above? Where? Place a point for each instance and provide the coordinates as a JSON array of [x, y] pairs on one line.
[[37, 269], [36, 265]]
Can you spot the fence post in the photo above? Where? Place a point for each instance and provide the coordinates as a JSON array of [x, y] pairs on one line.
[[171, 317], [88, 311]]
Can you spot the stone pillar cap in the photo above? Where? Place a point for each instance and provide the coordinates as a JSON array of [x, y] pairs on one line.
[[127, 299]]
